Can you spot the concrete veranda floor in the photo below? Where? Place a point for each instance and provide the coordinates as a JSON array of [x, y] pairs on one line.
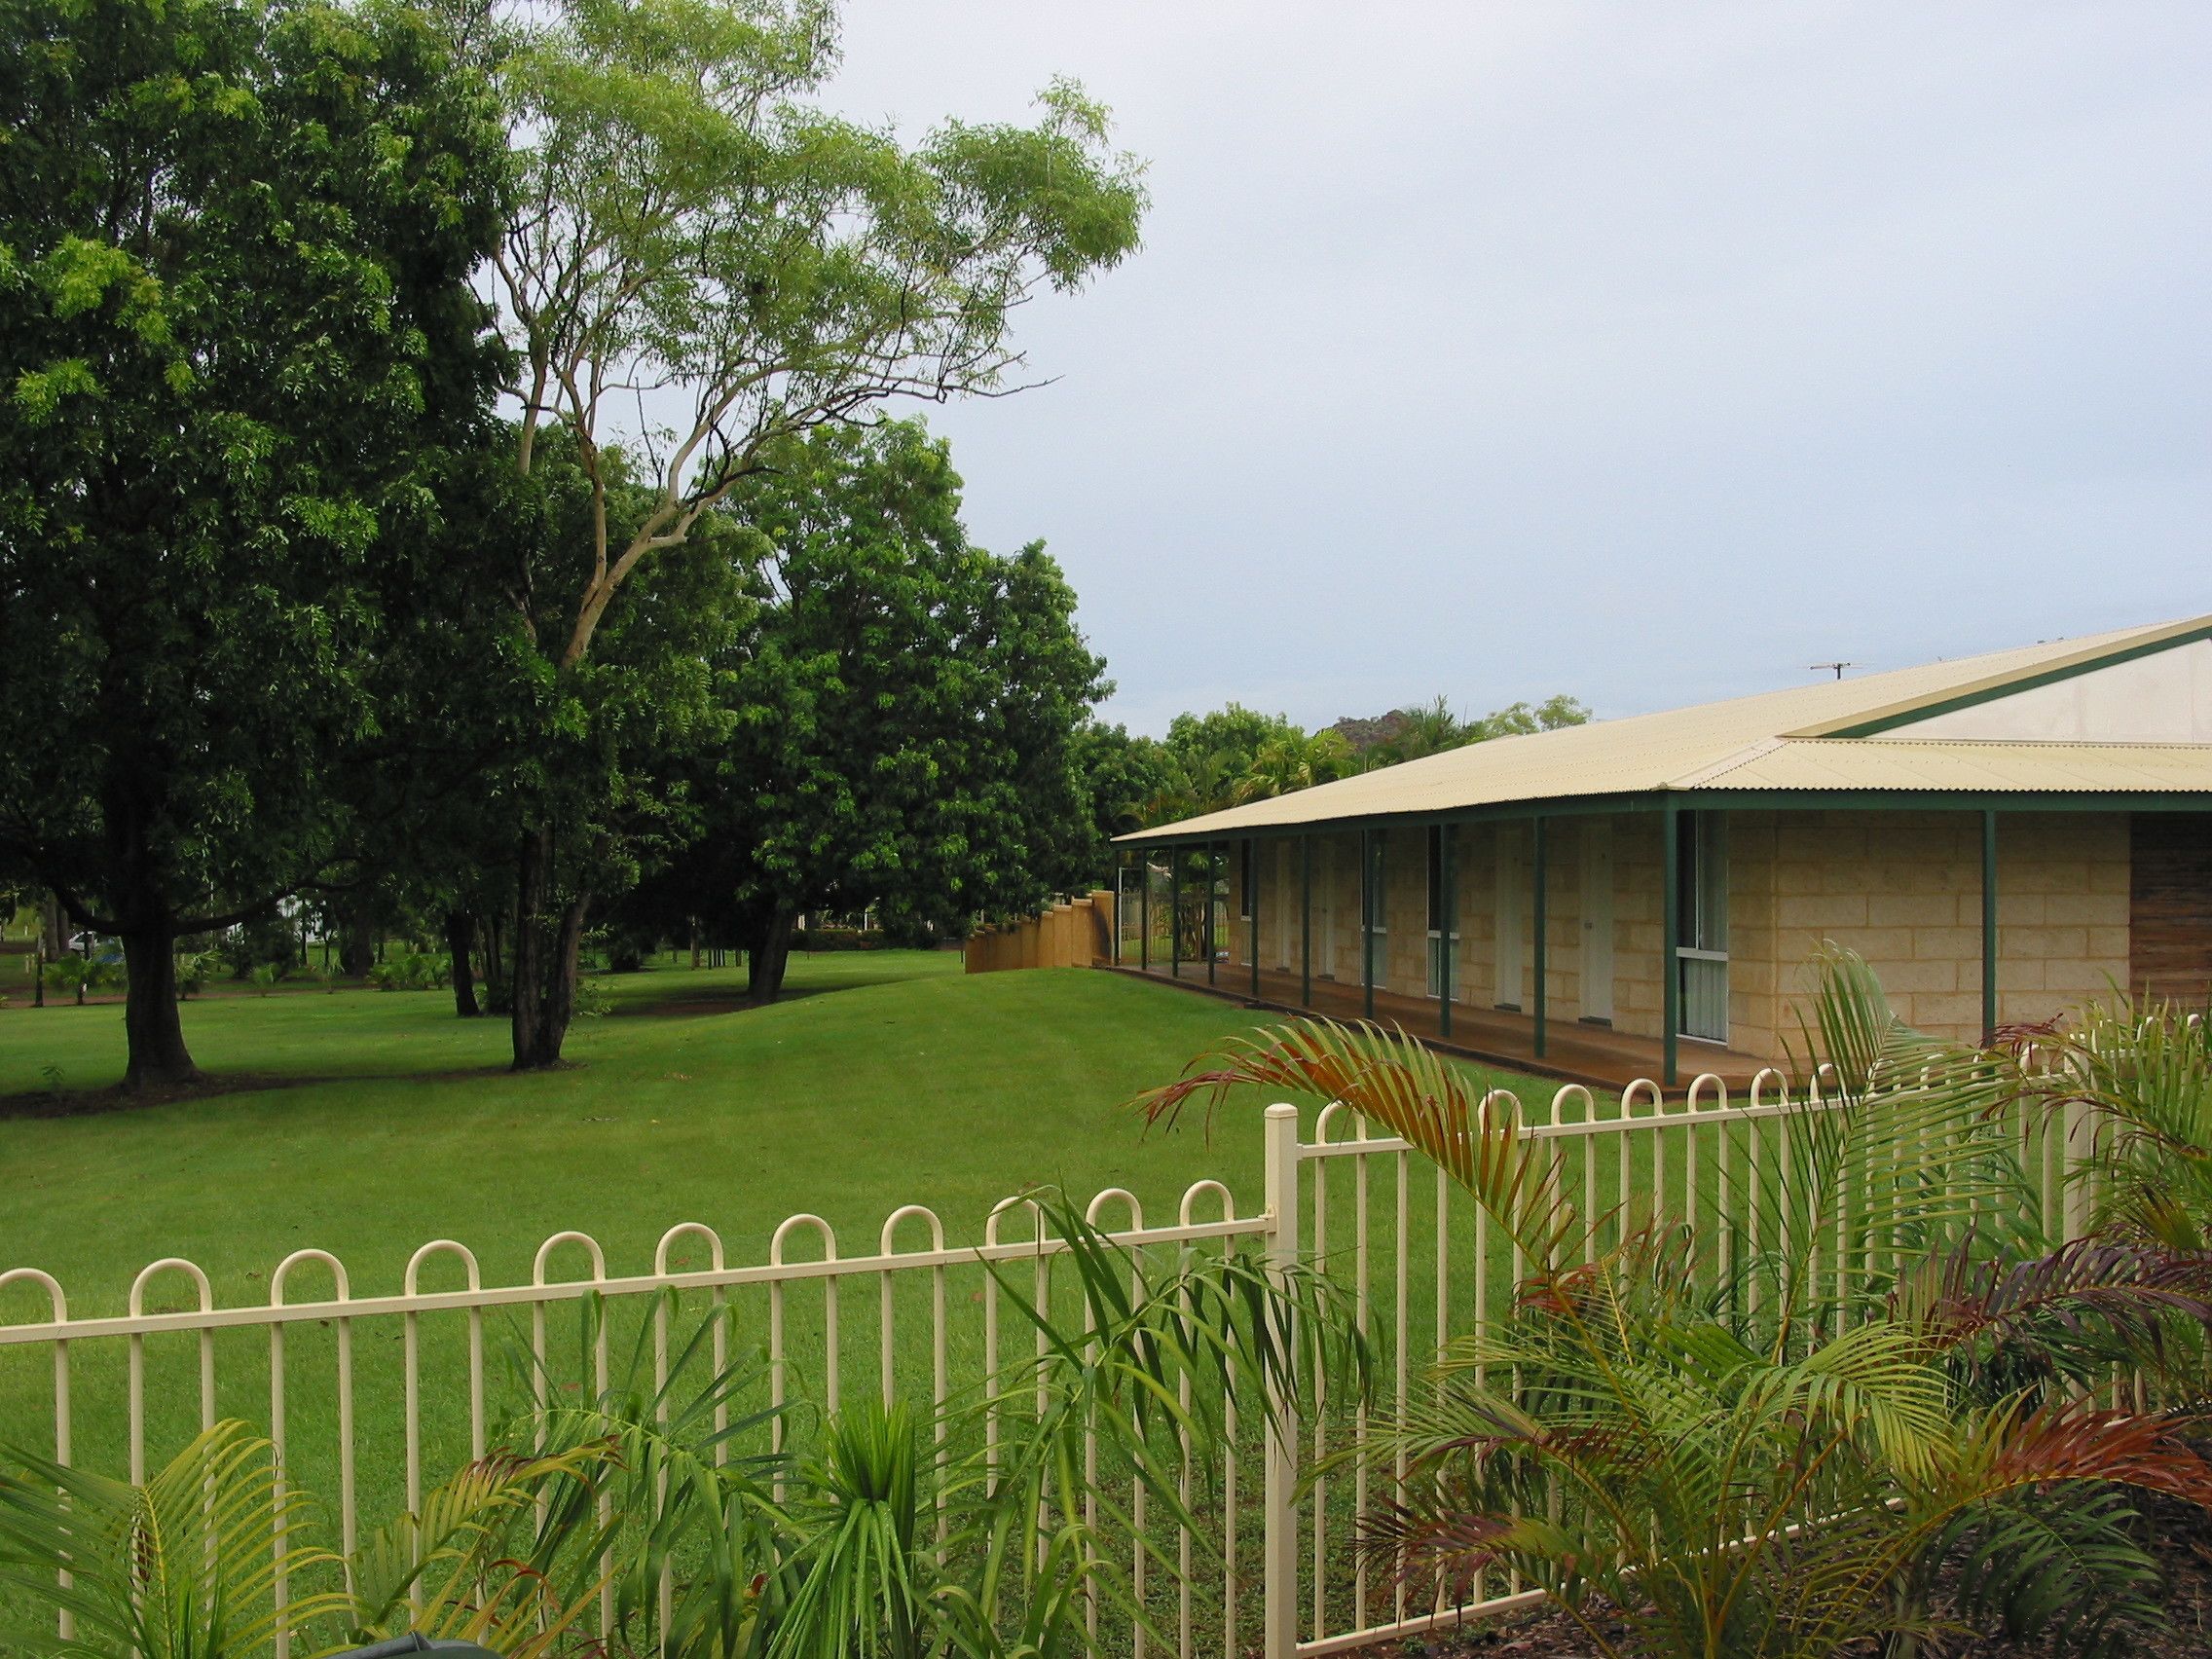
[[1573, 1051]]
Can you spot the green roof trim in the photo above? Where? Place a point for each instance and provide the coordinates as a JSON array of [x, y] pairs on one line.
[[1725, 800]]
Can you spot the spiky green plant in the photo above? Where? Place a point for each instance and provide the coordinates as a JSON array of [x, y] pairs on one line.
[[1760, 1450], [684, 1530], [865, 1587], [987, 1531]]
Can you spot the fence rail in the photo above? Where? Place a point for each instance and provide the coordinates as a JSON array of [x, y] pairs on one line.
[[1420, 1262]]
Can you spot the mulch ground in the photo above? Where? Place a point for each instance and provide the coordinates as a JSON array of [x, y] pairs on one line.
[[2182, 1540]]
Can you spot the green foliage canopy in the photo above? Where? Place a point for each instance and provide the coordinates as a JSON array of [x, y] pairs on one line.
[[904, 705], [692, 230], [236, 335]]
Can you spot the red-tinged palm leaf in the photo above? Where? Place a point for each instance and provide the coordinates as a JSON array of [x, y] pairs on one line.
[[1449, 1551], [2015, 1448], [1476, 1136], [2111, 1300], [454, 1568]]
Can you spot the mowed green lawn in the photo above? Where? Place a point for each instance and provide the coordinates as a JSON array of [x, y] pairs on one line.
[[376, 1122], [911, 1082]]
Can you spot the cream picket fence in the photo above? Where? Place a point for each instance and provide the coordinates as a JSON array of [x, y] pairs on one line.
[[1441, 1272]]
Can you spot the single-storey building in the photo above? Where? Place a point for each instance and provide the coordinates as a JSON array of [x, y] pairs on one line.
[[2001, 836]]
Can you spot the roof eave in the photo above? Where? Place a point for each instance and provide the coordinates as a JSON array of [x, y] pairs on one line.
[[1842, 797]]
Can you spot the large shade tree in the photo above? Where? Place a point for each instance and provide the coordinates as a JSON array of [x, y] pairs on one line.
[[704, 264], [237, 336], [908, 709]]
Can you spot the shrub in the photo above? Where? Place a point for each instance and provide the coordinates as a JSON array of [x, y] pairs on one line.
[[837, 939], [907, 934], [1772, 1452], [248, 946], [194, 969], [70, 973], [416, 971]]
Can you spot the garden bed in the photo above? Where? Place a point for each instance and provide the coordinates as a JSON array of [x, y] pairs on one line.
[[2181, 1537]]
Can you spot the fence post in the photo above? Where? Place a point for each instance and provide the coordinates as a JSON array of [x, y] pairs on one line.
[[1278, 1624], [2078, 1132]]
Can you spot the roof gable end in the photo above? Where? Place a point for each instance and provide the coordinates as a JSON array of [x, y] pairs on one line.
[[2093, 695]]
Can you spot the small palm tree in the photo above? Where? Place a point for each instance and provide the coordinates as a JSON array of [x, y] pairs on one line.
[[1762, 1453], [2130, 1083], [892, 1536], [1291, 761], [180, 1568]]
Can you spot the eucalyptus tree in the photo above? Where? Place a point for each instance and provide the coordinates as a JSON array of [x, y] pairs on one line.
[[703, 263], [238, 338]]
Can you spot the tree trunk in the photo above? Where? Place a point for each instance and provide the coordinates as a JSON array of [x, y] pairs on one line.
[[499, 995], [48, 944], [151, 1021], [766, 956], [547, 936], [460, 935], [356, 946]]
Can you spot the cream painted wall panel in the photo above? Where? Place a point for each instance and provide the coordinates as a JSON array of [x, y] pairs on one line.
[[1904, 891], [2165, 697], [1596, 976], [1508, 943]]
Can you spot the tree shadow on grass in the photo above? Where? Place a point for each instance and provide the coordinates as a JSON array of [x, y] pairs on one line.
[[689, 1003], [700, 1001], [29, 1103]]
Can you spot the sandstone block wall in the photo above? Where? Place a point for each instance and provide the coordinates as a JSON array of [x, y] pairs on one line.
[[1903, 889]]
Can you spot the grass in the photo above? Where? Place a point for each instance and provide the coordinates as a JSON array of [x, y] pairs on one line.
[[375, 1121], [378, 1120]]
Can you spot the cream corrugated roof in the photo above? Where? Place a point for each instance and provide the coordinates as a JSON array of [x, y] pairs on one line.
[[1776, 740]]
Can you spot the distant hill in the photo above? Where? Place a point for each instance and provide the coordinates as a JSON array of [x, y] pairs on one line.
[[1364, 734]]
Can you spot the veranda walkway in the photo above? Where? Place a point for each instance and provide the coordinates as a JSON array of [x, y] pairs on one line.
[[1592, 1054]]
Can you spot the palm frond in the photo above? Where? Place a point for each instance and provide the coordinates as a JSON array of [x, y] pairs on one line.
[[2064, 1567], [1475, 1136], [459, 1566], [181, 1567]]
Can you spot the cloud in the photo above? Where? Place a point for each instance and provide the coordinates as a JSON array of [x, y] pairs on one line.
[[1649, 353]]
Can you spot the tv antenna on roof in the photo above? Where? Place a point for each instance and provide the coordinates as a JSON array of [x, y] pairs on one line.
[[1839, 667]]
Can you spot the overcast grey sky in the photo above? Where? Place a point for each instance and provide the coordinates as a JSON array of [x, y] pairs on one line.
[[1645, 353]]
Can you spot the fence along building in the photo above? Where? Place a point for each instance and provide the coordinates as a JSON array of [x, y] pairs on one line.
[[1999, 836]]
